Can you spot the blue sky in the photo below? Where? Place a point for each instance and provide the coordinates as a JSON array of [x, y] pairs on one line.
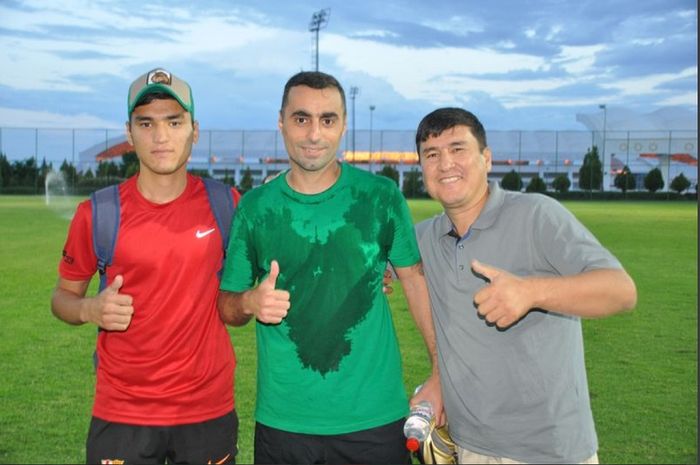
[[516, 64]]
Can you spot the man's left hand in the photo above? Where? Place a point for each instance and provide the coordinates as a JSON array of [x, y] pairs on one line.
[[431, 392]]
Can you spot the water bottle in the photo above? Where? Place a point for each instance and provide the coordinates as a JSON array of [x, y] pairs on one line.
[[418, 425]]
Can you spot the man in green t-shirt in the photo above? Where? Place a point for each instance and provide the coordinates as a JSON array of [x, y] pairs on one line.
[[306, 258]]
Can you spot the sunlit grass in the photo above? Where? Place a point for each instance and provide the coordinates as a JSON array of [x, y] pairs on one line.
[[642, 366]]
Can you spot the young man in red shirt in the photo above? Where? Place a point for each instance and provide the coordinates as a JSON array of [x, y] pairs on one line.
[[165, 371]]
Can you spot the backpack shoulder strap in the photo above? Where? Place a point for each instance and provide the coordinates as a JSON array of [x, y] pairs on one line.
[[221, 202], [105, 226]]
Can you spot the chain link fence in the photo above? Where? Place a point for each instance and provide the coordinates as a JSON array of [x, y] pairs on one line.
[[230, 152]]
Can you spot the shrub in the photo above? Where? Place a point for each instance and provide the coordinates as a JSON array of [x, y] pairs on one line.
[[389, 172], [654, 180], [246, 181], [590, 176], [413, 184], [680, 183], [536, 184], [561, 183], [512, 181], [624, 180]]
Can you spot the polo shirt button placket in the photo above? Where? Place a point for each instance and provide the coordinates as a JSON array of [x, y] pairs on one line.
[[460, 258]]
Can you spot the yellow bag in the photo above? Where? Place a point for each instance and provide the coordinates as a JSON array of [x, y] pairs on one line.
[[438, 447]]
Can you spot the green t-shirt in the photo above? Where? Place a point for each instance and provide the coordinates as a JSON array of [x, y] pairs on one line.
[[333, 365]]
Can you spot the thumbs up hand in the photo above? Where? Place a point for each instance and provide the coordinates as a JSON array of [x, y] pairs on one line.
[[110, 309], [269, 305], [505, 299]]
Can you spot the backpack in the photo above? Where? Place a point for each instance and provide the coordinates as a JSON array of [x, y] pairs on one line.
[[105, 220]]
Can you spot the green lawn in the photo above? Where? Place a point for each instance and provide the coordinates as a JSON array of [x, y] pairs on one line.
[[642, 365]]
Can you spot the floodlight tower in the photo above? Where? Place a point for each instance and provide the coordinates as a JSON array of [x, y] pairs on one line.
[[353, 93], [319, 20]]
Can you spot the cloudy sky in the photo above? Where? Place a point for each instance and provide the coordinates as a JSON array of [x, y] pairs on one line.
[[517, 64]]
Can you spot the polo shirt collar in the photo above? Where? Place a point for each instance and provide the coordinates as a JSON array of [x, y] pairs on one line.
[[492, 208], [486, 218]]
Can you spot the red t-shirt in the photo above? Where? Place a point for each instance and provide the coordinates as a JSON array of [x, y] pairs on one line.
[[175, 362]]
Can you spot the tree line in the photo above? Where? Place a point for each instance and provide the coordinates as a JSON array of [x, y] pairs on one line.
[[28, 177], [590, 178]]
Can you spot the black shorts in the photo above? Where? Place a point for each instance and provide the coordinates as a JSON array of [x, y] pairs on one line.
[[211, 441], [384, 444]]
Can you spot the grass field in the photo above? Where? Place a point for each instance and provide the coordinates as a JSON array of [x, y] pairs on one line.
[[642, 365]]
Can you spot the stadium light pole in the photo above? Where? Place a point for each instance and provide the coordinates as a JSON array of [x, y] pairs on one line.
[[604, 107], [371, 111], [353, 93], [319, 20], [2, 153]]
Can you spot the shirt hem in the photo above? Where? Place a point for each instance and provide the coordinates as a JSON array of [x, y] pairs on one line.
[[524, 458], [153, 420], [303, 427]]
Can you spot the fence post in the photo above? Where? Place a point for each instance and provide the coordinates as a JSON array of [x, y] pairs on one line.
[[36, 160], [72, 162], [556, 154], [211, 172], [590, 164], [520, 148], [627, 164], [668, 169]]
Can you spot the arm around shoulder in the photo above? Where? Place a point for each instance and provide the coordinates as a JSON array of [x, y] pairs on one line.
[[415, 290], [418, 299], [232, 308]]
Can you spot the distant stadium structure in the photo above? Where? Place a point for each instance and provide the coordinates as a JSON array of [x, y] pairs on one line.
[[665, 138]]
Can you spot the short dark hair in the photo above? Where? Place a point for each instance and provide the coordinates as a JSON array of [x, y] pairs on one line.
[[442, 119], [315, 80], [151, 96]]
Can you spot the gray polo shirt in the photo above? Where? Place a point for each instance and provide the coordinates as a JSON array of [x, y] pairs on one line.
[[522, 392]]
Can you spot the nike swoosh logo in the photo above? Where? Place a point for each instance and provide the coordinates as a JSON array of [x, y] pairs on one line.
[[201, 234]]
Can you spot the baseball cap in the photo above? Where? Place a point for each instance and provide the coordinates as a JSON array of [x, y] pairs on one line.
[[160, 80]]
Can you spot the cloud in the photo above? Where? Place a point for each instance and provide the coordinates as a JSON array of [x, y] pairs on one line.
[[506, 44], [461, 26], [171, 34], [553, 33], [647, 85], [578, 59], [432, 73], [380, 33], [686, 99], [13, 117], [78, 55], [648, 41]]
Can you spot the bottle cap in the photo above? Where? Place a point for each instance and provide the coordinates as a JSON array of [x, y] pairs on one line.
[[412, 444]]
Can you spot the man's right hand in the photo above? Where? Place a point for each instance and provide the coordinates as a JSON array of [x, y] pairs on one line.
[[111, 310], [269, 305]]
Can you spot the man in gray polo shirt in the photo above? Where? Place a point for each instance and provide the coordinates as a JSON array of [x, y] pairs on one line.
[[510, 276]]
